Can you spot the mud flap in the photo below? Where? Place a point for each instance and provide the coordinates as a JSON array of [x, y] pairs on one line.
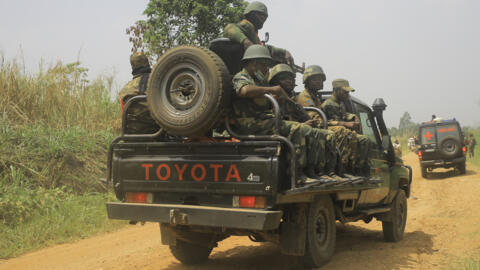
[[293, 230], [168, 238]]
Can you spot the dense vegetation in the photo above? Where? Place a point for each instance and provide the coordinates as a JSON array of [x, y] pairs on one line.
[[55, 127]]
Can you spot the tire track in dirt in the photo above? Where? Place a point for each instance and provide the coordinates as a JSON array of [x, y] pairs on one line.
[[443, 227]]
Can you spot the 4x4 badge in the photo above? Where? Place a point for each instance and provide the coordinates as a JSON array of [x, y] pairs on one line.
[[253, 178]]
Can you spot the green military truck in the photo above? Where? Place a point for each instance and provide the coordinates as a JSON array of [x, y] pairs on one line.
[[441, 145], [203, 189]]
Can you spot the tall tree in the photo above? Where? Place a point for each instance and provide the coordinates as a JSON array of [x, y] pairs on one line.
[[177, 22]]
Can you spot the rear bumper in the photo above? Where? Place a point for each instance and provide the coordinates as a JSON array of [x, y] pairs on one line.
[[196, 215], [442, 163]]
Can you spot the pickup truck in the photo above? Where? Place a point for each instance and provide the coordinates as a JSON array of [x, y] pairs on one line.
[[203, 189]]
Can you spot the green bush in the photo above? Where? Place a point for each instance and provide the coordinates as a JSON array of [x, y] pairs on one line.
[[55, 128]]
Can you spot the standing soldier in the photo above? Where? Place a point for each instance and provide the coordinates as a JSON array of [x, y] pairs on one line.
[[139, 120], [283, 75], [471, 146], [253, 115], [246, 31], [337, 116]]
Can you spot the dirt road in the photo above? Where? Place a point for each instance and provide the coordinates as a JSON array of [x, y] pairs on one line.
[[443, 227]]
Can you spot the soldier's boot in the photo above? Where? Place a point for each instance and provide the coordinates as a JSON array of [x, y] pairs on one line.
[[310, 172]]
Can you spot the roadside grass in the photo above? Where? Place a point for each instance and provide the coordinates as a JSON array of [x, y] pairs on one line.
[[55, 128], [466, 264]]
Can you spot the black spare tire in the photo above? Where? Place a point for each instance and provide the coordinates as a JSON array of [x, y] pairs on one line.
[[450, 147], [189, 91]]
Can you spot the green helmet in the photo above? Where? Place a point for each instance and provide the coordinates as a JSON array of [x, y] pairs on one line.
[[256, 6], [139, 59], [256, 52], [313, 70], [280, 68]]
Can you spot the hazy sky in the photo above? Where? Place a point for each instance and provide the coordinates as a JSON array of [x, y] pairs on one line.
[[421, 56]]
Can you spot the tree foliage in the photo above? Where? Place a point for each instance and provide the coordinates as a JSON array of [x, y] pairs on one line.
[[406, 125], [178, 22]]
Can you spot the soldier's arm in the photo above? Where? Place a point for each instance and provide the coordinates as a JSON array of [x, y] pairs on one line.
[[234, 33], [252, 91]]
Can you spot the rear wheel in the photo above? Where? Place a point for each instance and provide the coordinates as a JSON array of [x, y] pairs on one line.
[[189, 253], [393, 230], [424, 172], [321, 232], [462, 168]]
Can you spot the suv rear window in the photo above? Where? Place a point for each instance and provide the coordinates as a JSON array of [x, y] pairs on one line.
[[428, 135], [447, 131]]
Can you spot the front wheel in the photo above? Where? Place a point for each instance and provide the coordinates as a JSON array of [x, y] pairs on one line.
[[321, 233], [188, 253], [393, 230]]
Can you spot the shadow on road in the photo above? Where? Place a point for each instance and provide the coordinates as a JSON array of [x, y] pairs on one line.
[[440, 175], [357, 248]]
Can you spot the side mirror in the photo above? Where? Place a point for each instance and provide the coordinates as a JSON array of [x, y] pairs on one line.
[[386, 142], [379, 105]]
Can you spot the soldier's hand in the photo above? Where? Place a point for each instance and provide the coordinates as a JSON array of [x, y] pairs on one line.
[[247, 43], [279, 92], [289, 58], [311, 122]]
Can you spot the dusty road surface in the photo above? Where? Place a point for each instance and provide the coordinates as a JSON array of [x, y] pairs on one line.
[[443, 228]]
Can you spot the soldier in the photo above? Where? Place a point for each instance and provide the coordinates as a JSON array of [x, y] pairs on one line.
[[345, 141], [337, 116], [471, 146], [246, 31], [253, 115], [139, 120], [284, 76]]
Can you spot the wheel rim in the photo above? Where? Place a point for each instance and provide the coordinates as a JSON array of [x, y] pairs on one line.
[[183, 89], [321, 228], [450, 146]]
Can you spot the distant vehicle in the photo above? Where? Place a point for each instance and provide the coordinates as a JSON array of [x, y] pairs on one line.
[[441, 146]]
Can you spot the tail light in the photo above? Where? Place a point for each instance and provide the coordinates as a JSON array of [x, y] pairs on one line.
[[138, 197], [249, 201], [464, 149], [122, 104], [420, 154]]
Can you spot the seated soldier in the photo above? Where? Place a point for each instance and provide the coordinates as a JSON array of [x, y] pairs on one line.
[[253, 114], [139, 120], [345, 141], [337, 117], [246, 31], [283, 75]]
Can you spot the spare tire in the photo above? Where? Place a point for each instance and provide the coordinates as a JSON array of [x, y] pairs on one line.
[[189, 91], [450, 147]]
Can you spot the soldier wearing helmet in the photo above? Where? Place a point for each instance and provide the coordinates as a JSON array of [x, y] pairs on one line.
[[246, 31], [284, 76], [139, 120], [253, 114], [346, 125]]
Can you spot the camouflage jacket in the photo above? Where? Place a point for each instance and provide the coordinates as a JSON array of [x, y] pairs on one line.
[[243, 107], [132, 88], [139, 111], [307, 99], [238, 32], [335, 111]]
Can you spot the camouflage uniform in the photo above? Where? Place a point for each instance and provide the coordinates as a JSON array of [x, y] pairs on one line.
[[307, 99], [245, 29], [254, 116], [139, 120], [327, 158], [355, 147]]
